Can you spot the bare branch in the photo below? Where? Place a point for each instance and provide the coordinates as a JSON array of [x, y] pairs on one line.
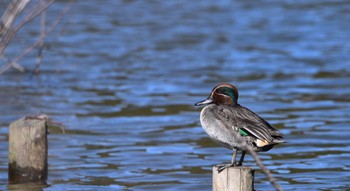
[[41, 43], [7, 19], [43, 5], [12, 11], [7, 32]]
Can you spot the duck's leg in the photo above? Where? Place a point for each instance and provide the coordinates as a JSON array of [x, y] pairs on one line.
[[233, 162], [241, 159], [234, 155]]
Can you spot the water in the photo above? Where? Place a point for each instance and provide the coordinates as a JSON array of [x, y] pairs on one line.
[[123, 76]]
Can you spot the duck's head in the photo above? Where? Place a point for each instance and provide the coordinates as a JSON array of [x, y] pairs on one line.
[[222, 94]]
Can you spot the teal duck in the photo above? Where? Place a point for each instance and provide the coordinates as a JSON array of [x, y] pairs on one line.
[[222, 116]]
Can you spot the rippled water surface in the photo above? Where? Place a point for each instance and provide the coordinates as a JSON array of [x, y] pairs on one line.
[[123, 76]]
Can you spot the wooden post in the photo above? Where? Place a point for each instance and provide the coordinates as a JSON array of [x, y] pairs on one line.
[[238, 178], [28, 150]]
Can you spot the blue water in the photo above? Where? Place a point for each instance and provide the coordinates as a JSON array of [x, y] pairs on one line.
[[123, 76]]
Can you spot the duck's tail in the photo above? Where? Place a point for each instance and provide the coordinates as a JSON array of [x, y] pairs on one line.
[[278, 139]]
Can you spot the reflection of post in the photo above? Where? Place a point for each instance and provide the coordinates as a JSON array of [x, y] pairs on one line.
[[28, 150], [239, 178]]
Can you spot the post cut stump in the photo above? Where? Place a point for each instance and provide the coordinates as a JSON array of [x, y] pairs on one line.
[[28, 150], [237, 178]]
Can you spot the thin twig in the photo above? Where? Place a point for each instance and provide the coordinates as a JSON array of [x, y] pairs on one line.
[[43, 5], [242, 144], [37, 43], [8, 32], [12, 11], [265, 170], [49, 121], [41, 44]]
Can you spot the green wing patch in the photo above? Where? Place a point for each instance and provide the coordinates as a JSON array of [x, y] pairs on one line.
[[242, 132]]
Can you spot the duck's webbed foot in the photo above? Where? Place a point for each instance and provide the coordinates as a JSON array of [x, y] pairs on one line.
[[222, 167]]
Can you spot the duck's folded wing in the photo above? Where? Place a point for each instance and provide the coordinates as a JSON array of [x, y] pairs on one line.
[[255, 125], [241, 118], [258, 130]]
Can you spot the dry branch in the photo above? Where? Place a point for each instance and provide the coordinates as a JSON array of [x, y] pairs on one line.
[[8, 30]]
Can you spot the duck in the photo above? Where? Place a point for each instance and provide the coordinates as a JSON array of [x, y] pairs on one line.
[[225, 120]]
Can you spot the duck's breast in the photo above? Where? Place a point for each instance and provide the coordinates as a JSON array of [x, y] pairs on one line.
[[217, 126]]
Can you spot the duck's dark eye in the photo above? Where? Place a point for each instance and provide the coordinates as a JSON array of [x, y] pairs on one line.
[[220, 91]]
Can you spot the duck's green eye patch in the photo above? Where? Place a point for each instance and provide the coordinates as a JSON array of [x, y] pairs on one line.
[[226, 91]]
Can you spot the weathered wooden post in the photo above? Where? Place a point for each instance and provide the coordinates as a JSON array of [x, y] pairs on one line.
[[28, 150], [238, 178]]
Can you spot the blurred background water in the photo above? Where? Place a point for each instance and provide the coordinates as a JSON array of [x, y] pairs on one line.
[[123, 76]]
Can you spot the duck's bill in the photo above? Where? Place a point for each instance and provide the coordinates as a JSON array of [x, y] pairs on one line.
[[204, 102]]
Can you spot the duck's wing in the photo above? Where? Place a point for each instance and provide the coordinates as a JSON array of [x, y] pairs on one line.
[[254, 125]]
